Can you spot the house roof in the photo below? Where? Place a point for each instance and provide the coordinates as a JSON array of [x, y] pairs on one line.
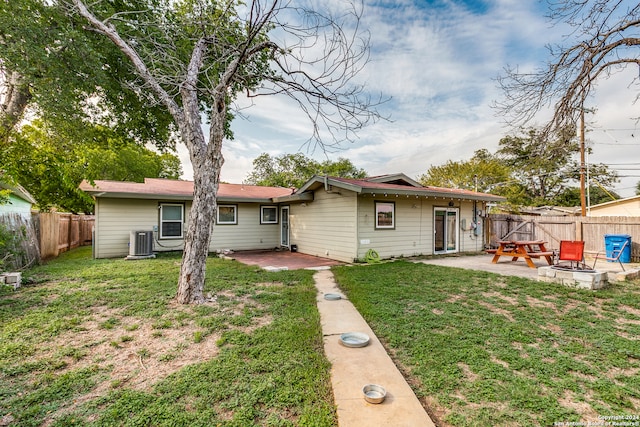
[[551, 210], [398, 184], [170, 189], [616, 202], [19, 191]]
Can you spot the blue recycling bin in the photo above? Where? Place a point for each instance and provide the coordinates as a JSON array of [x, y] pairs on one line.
[[613, 244]]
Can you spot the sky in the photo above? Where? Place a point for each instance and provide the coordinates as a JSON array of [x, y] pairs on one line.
[[437, 61]]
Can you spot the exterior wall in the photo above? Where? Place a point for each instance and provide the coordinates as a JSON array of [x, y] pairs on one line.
[[336, 226], [116, 218], [16, 205], [414, 227], [624, 208], [248, 233], [326, 227], [469, 241], [413, 233]]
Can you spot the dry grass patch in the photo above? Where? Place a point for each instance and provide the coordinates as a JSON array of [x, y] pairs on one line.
[[103, 342]]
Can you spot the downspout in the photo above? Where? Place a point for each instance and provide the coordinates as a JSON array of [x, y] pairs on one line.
[[326, 183]]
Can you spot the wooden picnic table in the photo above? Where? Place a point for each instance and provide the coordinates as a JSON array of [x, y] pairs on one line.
[[527, 249]]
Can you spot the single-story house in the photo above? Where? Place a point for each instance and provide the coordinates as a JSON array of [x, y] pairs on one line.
[[331, 217], [629, 206], [20, 201]]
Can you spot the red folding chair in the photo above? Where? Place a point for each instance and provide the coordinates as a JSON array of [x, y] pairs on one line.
[[572, 251]]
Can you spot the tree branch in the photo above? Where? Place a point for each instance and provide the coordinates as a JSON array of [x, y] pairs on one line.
[[129, 52]]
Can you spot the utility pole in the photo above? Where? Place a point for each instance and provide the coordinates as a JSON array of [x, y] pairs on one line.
[[583, 203]]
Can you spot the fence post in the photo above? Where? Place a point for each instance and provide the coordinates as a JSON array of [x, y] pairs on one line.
[[579, 229]]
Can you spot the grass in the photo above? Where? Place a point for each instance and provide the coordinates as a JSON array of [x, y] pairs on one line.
[[487, 350], [101, 342]]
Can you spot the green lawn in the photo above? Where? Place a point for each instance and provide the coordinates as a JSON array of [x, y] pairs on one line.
[[487, 350], [101, 342]]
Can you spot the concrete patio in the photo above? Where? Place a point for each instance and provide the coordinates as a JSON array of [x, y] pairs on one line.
[[281, 259]]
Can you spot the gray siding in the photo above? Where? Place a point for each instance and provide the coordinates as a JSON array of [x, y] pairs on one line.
[[248, 233], [469, 241], [116, 218], [414, 228], [335, 225], [413, 233], [326, 227]]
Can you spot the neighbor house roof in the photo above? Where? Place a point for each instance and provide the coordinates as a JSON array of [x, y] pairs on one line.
[[19, 191], [398, 184], [171, 189], [617, 202], [551, 210], [629, 206]]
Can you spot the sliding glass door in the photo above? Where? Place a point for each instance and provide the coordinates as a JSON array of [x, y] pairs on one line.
[[445, 237]]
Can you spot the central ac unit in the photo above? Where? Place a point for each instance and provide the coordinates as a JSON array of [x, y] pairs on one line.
[[141, 243]]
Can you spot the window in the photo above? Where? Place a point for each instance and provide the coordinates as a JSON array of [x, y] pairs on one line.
[[385, 215], [268, 214], [171, 220], [227, 214]]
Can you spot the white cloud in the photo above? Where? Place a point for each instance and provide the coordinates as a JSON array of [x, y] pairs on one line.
[[439, 65]]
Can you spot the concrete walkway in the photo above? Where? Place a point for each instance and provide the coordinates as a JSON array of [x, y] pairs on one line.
[[353, 368]]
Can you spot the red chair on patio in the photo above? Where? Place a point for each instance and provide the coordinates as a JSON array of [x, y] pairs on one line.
[[572, 251]]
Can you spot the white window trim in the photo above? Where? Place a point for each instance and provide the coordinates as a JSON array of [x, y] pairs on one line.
[[235, 216], [262, 220], [181, 221], [393, 215]]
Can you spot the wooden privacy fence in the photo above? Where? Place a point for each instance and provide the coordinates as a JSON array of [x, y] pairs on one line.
[[26, 241], [553, 229], [60, 232]]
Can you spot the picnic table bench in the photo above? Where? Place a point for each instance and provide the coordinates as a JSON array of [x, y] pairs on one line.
[[527, 249]]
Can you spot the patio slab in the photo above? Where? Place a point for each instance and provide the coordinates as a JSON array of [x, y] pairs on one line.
[[283, 260], [515, 268], [483, 263]]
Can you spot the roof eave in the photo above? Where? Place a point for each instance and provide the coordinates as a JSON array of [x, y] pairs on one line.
[[426, 193], [122, 195], [326, 181], [175, 197], [295, 198]]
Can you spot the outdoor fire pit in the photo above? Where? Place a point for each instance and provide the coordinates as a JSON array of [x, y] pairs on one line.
[[574, 276], [570, 267]]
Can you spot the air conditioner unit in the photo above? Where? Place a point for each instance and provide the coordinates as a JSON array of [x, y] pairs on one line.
[[141, 243]]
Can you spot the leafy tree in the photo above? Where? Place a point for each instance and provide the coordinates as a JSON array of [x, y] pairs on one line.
[[545, 167], [69, 76], [528, 170], [195, 56], [638, 189], [293, 170], [483, 172], [604, 39], [51, 164], [571, 196]]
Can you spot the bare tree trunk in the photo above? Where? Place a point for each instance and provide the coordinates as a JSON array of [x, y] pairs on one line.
[[196, 244], [14, 101], [207, 162]]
